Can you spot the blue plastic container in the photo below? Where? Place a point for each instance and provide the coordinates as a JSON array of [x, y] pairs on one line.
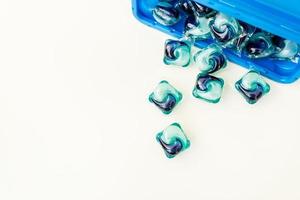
[[280, 17]]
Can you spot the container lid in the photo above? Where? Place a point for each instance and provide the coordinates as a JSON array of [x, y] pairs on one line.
[[280, 17]]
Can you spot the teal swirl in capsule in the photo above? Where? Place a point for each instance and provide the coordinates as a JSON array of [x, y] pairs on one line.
[[197, 28], [173, 140], [210, 59], [177, 53], [285, 49], [208, 88], [165, 14], [259, 46], [165, 97], [224, 29], [252, 87]]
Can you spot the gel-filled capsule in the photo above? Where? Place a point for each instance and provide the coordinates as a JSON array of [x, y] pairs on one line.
[[208, 88], [165, 97], [252, 87], [259, 46], [173, 140], [210, 60], [225, 29], [285, 49], [197, 28], [165, 14], [177, 53]]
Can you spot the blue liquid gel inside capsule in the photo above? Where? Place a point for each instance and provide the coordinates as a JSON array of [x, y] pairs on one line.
[[167, 105], [171, 149]]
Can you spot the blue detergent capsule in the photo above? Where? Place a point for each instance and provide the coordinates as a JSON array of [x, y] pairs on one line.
[[177, 52], [165, 97], [173, 140], [252, 87], [208, 88], [210, 59], [285, 49], [197, 28], [225, 29], [165, 14], [259, 46]]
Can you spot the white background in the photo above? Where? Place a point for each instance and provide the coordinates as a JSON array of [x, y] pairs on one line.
[[75, 122]]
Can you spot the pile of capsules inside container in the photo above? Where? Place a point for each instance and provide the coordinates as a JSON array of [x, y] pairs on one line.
[[203, 23]]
